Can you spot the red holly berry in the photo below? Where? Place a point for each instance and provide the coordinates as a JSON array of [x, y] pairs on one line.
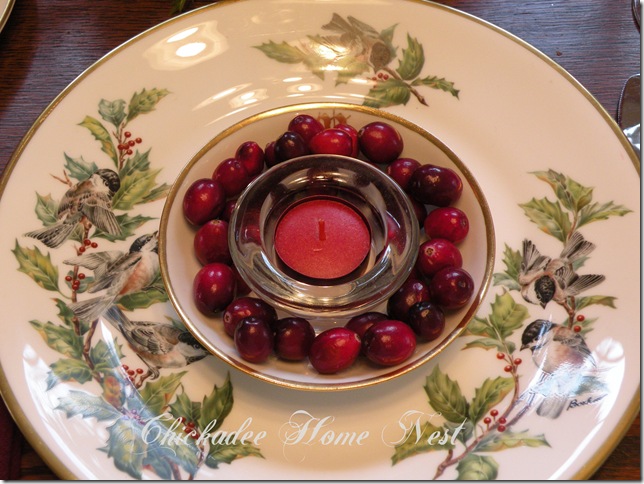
[[501, 428], [502, 420], [508, 368], [494, 412], [127, 134], [518, 361], [500, 356], [487, 420], [577, 329], [581, 317]]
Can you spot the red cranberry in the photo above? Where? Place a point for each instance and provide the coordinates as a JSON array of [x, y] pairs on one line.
[[411, 292], [389, 342], [293, 338], [451, 287], [203, 201], [290, 145], [269, 154], [380, 142], [254, 339], [334, 350], [232, 175], [244, 307], [435, 254], [361, 323], [435, 185], [229, 208], [353, 133], [306, 126], [251, 156], [420, 210], [401, 171], [427, 319], [332, 141], [448, 223], [211, 242], [242, 288], [213, 288]]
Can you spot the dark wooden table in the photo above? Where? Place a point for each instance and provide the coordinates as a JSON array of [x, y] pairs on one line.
[[46, 44]]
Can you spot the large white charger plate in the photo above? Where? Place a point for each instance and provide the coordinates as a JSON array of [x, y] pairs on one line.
[[5, 9], [549, 159]]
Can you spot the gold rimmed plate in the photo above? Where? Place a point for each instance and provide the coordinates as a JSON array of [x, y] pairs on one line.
[[101, 398]]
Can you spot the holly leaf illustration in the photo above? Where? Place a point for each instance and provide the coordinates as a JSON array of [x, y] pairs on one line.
[[388, 93], [585, 301], [489, 394], [88, 406], [46, 209], [509, 278], [65, 314], [186, 408], [572, 195], [135, 189], [61, 339], [216, 406], [78, 168], [282, 52], [431, 438], [348, 68], [445, 396], [37, 266], [126, 446], [413, 59], [498, 441], [105, 356], [101, 135], [68, 369], [143, 299], [505, 317], [436, 82], [596, 211], [477, 467], [157, 394], [128, 225], [145, 102], [112, 111], [549, 217], [226, 453]]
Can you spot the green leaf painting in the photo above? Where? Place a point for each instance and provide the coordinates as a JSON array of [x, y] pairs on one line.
[[485, 421], [351, 48], [152, 426]]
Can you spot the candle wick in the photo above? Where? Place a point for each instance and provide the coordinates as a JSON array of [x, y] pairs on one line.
[[321, 230]]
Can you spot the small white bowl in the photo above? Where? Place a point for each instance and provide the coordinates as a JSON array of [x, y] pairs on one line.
[[179, 264]]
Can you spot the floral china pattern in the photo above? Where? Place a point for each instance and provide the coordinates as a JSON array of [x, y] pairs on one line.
[[568, 378], [151, 422], [98, 207], [354, 49]]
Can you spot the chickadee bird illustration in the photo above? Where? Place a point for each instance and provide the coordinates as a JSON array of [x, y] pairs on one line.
[[118, 273], [359, 39], [566, 363], [543, 279], [159, 345], [88, 202]]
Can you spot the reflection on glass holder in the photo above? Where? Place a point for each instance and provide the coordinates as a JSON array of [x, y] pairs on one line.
[[381, 203]]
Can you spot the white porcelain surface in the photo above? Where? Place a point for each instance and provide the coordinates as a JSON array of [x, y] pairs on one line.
[[5, 9], [517, 115]]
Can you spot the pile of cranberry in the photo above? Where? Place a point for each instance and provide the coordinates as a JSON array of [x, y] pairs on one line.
[[416, 311]]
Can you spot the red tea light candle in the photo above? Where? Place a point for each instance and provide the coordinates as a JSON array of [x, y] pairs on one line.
[[322, 239]]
